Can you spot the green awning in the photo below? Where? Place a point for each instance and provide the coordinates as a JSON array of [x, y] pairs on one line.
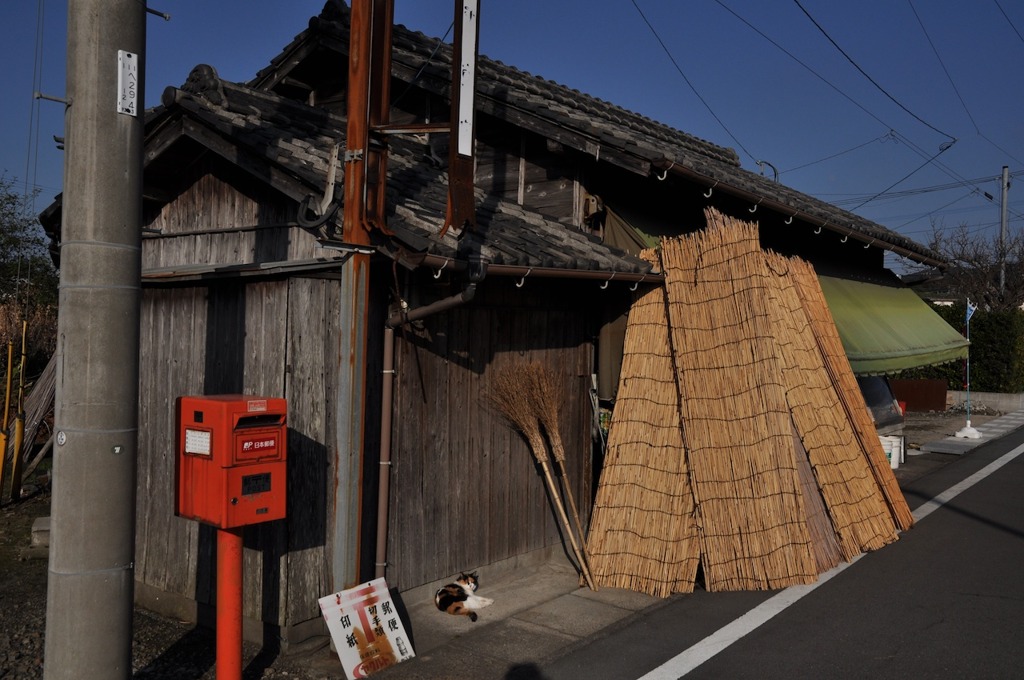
[[887, 329]]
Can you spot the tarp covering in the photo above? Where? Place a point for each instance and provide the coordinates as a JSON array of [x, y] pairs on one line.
[[887, 329]]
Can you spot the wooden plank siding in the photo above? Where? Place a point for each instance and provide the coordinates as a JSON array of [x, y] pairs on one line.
[[224, 217], [523, 168], [465, 489], [277, 338]]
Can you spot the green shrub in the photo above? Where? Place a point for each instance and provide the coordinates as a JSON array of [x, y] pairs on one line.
[[997, 351]]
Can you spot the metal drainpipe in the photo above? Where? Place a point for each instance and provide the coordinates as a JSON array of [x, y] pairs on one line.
[[387, 411]]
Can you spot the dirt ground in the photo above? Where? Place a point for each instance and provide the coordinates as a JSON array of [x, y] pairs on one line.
[[921, 428]]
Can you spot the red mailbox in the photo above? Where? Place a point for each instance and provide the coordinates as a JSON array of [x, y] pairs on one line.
[[231, 453]]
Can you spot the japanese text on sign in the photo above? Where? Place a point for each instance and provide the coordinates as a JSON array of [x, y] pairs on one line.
[[127, 83], [366, 628]]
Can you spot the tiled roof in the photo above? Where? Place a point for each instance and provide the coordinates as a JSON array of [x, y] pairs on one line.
[[590, 125], [298, 139]]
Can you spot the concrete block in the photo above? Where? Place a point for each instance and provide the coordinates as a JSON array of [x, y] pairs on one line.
[[41, 532]]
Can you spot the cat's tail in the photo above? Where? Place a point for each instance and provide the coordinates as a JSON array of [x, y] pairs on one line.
[[463, 610]]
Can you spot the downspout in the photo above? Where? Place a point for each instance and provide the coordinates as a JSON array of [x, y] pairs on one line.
[[387, 409]]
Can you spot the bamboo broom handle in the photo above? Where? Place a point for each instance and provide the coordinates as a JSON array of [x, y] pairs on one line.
[[565, 522], [574, 511]]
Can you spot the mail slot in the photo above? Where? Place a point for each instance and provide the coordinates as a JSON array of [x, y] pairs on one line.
[[231, 453]]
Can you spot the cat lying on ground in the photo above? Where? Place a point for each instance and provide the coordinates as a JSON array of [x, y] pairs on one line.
[[459, 598]]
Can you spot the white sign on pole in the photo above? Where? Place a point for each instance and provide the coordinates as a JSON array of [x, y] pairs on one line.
[[366, 628], [127, 83], [467, 80]]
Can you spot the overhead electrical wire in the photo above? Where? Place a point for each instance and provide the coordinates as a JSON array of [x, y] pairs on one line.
[[419, 73], [952, 84], [887, 135], [945, 70], [943, 149], [893, 133], [865, 74], [32, 150], [802, 63], [1006, 16], [689, 84], [971, 183], [932, 212]]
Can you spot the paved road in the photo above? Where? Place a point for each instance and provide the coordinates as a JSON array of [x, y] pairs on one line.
[[945, 601]]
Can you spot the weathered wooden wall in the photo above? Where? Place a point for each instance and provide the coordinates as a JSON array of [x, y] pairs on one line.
[[278, 337], [465, 489], [522, 168], [223, 217]]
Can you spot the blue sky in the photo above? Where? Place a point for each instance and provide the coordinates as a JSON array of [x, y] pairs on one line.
[[755, 75]]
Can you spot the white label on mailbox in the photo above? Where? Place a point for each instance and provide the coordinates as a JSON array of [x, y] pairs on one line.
[[127, 83], [256, 405], [259, 444], [197, 442]]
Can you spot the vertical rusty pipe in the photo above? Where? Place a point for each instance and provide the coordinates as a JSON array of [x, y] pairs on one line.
[[384, 483], [378, 110], [229, 604], [387, 409], [357, 131]]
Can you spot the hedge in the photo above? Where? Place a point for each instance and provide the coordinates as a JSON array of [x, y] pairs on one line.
[[997, 351]]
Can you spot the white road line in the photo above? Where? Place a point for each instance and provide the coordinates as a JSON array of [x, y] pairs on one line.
[[710, 646]]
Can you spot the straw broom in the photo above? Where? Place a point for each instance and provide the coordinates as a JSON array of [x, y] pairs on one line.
[[512, 401], [540, 387]]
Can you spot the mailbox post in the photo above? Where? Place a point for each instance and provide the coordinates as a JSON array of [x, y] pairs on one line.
[[230, 469]]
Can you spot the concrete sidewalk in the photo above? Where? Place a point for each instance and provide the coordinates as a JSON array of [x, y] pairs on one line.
[[993, 429], [540, 613]]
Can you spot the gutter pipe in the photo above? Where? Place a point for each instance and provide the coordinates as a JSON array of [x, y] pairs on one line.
[[439, 262], [387, 409], [408, 315], [668, 166]]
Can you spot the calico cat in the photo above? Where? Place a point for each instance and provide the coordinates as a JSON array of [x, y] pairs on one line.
[[459, 597]]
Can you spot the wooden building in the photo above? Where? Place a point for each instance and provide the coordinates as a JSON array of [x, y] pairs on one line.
[[243, 292]]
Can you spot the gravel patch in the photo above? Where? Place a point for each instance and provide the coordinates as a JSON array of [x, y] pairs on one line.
[[161, 648]]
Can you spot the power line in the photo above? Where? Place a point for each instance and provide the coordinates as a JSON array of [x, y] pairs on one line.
[[942, 149], [687, 80], [893, 134], [931, 213], [802, 63], [943, 65], [32, 150], [952, 84], [1006, 16], [996, 146], [840, 153], [971, 183], [865, 74]]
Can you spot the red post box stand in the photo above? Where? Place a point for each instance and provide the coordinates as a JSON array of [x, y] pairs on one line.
[[229, 604], [230, 465]]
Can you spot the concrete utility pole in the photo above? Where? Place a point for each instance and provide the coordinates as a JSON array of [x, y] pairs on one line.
[[92, 530], [1005, 189]]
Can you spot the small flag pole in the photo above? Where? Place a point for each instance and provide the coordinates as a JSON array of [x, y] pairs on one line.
[[968, 432]]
